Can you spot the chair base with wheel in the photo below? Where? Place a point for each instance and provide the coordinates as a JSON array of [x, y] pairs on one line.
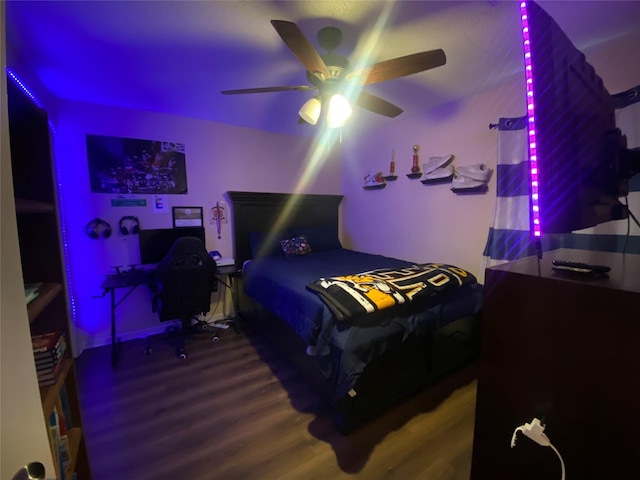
[[177, 335]]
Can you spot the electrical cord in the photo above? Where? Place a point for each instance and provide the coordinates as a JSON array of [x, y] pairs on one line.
[[559, 457], [626, 238], [535, 431], [227, 318]]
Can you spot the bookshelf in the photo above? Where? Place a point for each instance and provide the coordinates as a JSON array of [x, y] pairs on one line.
[[40, 245]]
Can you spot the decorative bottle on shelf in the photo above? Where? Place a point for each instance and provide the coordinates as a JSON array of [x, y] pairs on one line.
[[415, 168]]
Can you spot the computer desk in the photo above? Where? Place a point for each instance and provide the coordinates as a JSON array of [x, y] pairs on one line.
[[132, 279]]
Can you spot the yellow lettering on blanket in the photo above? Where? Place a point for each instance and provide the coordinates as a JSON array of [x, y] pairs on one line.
[[377, 292]]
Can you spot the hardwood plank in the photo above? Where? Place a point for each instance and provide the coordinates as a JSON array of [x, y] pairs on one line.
[[239, 409]]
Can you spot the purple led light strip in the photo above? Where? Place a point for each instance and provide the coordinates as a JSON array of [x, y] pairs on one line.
[[23, 87], [531, 124]]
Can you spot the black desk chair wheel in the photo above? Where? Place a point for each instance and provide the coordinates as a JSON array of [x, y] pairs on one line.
[[186, 278]]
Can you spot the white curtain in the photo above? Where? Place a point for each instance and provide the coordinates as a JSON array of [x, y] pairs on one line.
[[509, 237]]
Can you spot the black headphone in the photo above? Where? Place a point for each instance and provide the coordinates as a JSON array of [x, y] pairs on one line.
[[129, 225], [98, 228]]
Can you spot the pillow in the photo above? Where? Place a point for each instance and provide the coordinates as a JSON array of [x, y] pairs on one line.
[[296, 246], [322, 237], [266, 244]]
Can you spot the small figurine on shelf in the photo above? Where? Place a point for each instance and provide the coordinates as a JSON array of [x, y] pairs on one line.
[[415, 168], [392, 167]]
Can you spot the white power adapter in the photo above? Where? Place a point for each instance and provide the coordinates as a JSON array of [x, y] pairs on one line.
[[535, 431]]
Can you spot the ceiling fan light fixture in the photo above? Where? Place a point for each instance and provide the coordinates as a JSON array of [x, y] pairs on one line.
[[339, 111], [330, 73], [310, 111]]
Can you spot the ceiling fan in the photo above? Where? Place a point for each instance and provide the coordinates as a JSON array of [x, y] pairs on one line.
[[329, 73]]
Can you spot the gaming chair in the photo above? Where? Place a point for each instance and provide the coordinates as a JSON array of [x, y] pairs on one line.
[[186, 278]]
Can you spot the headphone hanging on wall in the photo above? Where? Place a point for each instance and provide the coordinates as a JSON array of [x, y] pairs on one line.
[[98, 228], [129, 225]]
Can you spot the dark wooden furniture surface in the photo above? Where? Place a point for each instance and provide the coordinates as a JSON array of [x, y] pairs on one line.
[[564, 349], [263, 211]]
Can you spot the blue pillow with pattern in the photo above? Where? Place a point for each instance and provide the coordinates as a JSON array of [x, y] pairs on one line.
[[296, 246]]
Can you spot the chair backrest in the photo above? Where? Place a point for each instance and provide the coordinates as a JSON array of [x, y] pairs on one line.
[[187, 276]]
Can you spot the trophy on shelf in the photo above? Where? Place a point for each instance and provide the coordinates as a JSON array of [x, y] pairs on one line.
[[392, 167], [415, 167]]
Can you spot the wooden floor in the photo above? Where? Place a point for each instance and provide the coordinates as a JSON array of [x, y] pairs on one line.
[[237, 409]]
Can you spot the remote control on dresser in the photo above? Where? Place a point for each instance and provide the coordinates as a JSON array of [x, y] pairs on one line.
[[580, 267]]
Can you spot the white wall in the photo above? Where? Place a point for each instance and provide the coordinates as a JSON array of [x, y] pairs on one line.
[[219, 158]]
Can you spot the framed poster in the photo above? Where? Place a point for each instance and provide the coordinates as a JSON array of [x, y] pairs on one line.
[[187, 217], [133, 166]]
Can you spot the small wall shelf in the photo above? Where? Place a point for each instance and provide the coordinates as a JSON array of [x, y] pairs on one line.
[[26, 207], [47, 292]]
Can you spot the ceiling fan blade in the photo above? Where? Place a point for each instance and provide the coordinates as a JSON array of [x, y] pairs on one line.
[[400, 67], [301, 47], [377, 105], [267, 89]]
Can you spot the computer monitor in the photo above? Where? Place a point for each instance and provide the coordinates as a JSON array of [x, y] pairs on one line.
[[155, 243], [579, 162]]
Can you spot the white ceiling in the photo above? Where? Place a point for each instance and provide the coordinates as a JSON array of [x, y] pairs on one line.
[[176, 56]]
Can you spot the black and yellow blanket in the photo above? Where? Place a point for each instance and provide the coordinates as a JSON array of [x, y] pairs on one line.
[[352, 295]]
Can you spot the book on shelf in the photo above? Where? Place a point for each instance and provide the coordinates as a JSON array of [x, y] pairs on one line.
[[65, 407], [50, 361], [47, 363], [48, 382], [63, 428], [54, 441], [65, 453], [48, 351], [46, 342], [48, 346], [47, 378]]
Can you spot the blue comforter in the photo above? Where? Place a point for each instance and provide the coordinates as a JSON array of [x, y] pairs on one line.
[[344, 348]]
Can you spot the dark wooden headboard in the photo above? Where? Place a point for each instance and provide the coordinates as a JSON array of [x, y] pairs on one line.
[[262, 212]]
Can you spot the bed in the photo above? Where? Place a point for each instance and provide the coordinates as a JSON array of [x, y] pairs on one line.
[[371, 359]]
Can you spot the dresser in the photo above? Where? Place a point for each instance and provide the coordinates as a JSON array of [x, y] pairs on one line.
[[566, 349]]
